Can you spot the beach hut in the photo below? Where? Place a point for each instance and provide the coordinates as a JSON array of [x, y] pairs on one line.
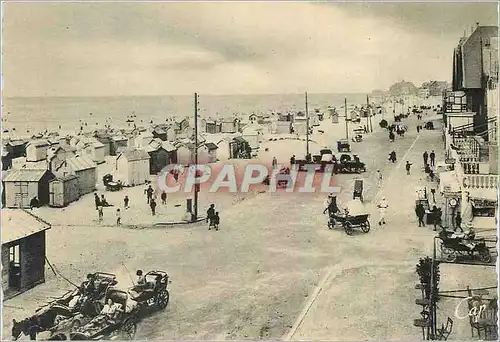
[[63, 191], [159, 157], [132, 167], [181, 124], [118, 143], [105, 139], [213, 126], [6, 160], [84, 168], [185, 153], [230, 126], [142, 140], [94, 150], [16, 148], [223, 149], [23, 252], [36, 150], [207, 153], [22, 185], [159, 133], [252, 137]]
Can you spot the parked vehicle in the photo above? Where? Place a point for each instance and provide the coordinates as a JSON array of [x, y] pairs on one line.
[[155, 293], [349, 222], [350, 163], [466, 245], [110, 184], [343, 145]]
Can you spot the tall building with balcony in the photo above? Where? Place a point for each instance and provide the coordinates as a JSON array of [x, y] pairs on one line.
[[470, 130]]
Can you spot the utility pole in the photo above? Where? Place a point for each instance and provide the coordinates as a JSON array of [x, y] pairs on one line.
[[196, 186], [368, 116], [346, 121], [307, 127]]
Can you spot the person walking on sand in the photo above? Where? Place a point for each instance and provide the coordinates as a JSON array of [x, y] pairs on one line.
[[379, 178], [407, 166], [433, 158], [97, 201], [382, 209], [275, 162], [210, 215], [215, 221], [164, 197], [420, 212], [118, 217], [152, 205], [149, 193], [426, 157], [292, 160], [126, 202], [100, 210]]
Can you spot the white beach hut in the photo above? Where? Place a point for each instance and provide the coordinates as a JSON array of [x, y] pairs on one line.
[[132, 167]]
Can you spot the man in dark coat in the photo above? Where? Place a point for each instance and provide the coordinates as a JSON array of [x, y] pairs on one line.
[[97, 201], [458, 222], [436, 217], [433, 158], [420, 212], [152, 204], [210, 215], [408, 166], [149, 193], [426, 157]]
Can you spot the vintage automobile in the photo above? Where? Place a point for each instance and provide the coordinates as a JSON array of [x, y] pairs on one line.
[[73, 308], [349, 222], [463, 245], [343, 145], [154, 293], [110, 184], [350, 163]]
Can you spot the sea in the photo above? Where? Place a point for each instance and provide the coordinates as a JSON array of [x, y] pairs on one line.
[[27, 116]]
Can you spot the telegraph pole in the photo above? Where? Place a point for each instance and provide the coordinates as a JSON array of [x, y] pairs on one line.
[[346, 122], [368, 112], [307, 128], [196, 186]]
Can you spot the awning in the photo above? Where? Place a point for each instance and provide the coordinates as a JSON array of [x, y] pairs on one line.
[[448, 182], [486, 194]]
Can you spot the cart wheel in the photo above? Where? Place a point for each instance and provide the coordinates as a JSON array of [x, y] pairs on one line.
[[365, 227], [75, 325], [451, 257], [128, 329], [348, 228], [330, 225], [163, 299], [485, 255]]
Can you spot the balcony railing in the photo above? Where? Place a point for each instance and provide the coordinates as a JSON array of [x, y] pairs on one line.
[[476, 168], [481, 181]]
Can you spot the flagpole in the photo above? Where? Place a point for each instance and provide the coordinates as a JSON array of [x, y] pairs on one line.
[[346, 122], [307, 127]]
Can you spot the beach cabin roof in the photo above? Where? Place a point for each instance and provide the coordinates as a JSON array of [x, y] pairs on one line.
[[79, 163], [239, 139], [159, 130], [24, 175], [17, 224], [134, 155], [119, 138], [211, 146], [168, 146], [38, 143], [154, 145], [16, 143]]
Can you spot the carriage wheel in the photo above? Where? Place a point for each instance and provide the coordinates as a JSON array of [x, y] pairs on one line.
[[348, 228], [451, 257], [75, 325], [329, 224], [163, 299], [365, 227], [128, 329], [485, 255]]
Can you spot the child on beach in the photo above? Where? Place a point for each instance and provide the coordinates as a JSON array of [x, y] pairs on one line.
[[118, 217], [101, 213]]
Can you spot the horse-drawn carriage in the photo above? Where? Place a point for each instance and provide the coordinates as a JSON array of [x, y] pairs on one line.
[[70, 310], [353, 216], [110, 184], [466, 245], [154, 293]]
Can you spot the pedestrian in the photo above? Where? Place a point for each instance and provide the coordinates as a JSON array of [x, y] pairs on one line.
[[97, 201], [436, 217], [458, 222], [392, 156], [426, 157], [379, 178], [126, 202], [331, 205], [275, 162], [382, 208], [420, 212], [118, 217], [149, 193], [433, 158], [104, 203], [152, 204], [210, 215], [216, 220], [292, 160], [34, 203], [100, 210], [433, 192], [407, 166], [391, 136], [164, 197], [418, 129]]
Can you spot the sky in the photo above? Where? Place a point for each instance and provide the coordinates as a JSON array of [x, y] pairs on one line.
[[119, 49]]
